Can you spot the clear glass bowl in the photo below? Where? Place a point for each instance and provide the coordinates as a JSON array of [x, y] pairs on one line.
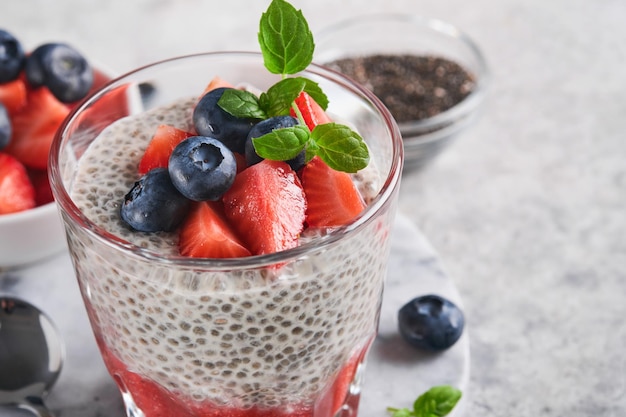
[[399, 34]]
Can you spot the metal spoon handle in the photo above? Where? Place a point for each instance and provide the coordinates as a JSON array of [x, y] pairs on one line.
[[36, 406]]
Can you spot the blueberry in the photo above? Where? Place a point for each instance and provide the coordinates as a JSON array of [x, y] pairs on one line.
[[431, 322], [12, 57], [5, 127], [154, 204], [60, 68], [211, 120], [263, 128], [202, 168]]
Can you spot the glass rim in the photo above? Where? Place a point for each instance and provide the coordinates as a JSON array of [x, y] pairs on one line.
[[389, 185]]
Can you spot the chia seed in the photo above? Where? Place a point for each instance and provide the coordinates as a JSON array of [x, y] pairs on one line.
[[413, 87]]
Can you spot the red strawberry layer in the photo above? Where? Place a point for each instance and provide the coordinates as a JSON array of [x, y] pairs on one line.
[[156, 401]]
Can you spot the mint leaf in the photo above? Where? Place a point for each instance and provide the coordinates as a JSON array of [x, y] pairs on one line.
[[282, 144], [340, 147], [315, 91], [400, 412], [241, 103], [287, 46], [279, 98], [437, 401], [285, 39]]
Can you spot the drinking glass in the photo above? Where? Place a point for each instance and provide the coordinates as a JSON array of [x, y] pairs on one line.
[[278, 334]]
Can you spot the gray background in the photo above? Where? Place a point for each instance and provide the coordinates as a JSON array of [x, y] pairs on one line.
[[527, 210]]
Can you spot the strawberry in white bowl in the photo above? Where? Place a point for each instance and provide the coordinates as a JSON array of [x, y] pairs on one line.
[[37, 91]]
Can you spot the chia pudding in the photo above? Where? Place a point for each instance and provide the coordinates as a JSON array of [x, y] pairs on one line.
[[209, 339]]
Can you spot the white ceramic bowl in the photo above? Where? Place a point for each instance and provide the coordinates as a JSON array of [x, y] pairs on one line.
[[397, 34], [30, 236], [36, 234]]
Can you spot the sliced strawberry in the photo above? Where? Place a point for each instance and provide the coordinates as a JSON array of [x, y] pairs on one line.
[[160, 147], [241, 162], [13, 95], [206, 234], [16, 191], [216, 82], [332, 198], [312, 113], [43, 192], [266, 206], [34, 128]]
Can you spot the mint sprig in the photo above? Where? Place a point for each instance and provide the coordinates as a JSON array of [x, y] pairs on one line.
[[287, 46], [285, 38], [438, 401]]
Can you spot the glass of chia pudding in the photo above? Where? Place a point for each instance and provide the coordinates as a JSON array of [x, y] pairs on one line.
[[276, 334]]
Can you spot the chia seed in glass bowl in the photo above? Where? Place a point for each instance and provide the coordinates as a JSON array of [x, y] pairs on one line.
[[430, 75]]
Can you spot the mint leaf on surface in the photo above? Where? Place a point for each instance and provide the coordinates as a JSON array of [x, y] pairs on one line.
[[400, 412], [241, 103], [282, 144], [438, 401], [340, 147], [285, 39]]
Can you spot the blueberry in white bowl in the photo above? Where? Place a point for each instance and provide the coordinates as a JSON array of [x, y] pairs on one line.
[[60, 68], [30, 114]]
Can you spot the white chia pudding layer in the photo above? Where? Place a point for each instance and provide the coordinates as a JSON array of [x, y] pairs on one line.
[[250, 336]]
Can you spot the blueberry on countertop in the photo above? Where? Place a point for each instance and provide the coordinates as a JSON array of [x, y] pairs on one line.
[[12, 57], [431, 322], [202, 168], [154, 204], [5, 127], [211, 120], [60, 68]]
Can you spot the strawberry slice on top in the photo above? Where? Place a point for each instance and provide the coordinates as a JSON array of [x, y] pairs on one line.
[[16, 191], [312, 113], [266, 205], [160, 148], [205, 233], [332, 198], [34, 127]]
